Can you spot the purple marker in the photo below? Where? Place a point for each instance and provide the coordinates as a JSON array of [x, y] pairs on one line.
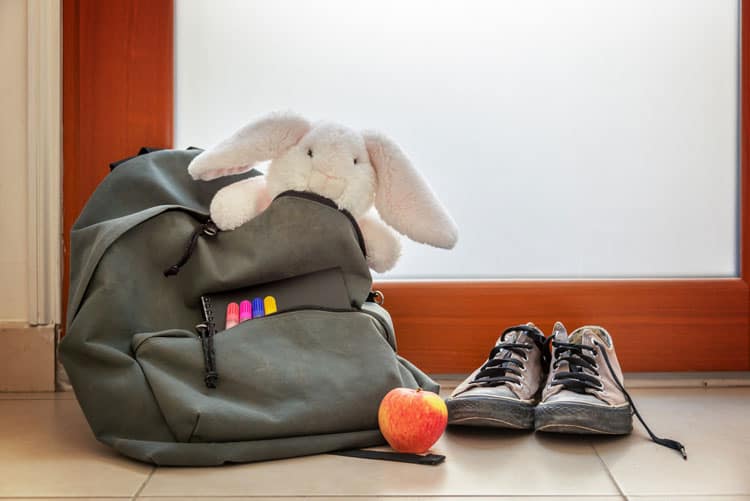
[[258, 310], [246, 310]]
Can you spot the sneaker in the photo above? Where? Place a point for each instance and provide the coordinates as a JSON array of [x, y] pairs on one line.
[[502, 392], [584, 391]]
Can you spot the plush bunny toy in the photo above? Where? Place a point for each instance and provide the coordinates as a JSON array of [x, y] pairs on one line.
[[353, 169]]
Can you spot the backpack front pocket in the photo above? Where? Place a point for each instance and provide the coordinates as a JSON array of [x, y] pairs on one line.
[[303, 372]]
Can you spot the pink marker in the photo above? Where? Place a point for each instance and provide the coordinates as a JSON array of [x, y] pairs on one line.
[[246, 310], [233, 315]]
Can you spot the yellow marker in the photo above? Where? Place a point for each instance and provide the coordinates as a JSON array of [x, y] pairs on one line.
[[269, 304]]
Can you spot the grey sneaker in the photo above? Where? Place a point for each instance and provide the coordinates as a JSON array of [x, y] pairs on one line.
[[502, 393], [584, 391]]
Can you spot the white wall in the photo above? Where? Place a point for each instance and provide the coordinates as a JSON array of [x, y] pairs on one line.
[[576, 138], [13, 181]]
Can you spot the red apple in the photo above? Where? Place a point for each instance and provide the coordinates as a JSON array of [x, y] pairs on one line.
[[412, 420]]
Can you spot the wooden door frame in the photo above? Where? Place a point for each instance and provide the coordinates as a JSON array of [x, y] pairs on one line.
[[118, 96], [117, 93]]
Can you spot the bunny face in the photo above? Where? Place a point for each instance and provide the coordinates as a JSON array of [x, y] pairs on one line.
[[330, 160], [353, 169]]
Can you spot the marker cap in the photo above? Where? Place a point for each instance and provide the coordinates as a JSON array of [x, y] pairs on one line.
[[269, 304], [258, 309], [246, 310], [233, 315]]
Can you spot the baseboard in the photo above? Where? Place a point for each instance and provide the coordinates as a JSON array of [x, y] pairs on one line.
[[641, 380], [27, 358]]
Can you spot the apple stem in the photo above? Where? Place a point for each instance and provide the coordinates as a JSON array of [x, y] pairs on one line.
[[419, 389]]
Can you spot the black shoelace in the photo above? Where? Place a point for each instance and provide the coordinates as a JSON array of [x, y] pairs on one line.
[[575, 379], [497, 371]]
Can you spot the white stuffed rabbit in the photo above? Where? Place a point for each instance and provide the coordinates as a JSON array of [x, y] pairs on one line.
[[353, 169]]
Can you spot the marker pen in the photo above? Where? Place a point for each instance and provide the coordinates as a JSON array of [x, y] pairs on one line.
[[269, 305], [233, 315], [258, 310], [246, 310]]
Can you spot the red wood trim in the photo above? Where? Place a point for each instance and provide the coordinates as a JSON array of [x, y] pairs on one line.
[[658, 325], [117, 92]]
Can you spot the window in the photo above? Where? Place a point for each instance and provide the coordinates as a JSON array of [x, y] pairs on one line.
[[574, 139]]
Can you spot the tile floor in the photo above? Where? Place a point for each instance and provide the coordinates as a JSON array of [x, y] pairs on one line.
[[47, 451]]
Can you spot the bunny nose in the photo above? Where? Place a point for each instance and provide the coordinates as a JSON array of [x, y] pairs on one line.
[[326, 185], [325, 174]]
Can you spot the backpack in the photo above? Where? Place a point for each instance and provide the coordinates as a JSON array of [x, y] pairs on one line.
[[159, 383]]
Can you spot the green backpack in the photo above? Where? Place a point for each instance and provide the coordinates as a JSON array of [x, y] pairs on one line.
[[161, 383]]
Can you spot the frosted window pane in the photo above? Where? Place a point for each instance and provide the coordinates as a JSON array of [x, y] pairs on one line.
[[568, 138]]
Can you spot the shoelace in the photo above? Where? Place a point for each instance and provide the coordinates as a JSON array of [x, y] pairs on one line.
[[578, 381], [497, 371], [575, 379]]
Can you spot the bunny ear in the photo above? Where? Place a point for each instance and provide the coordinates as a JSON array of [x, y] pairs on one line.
[[263, 139], [404, 199]]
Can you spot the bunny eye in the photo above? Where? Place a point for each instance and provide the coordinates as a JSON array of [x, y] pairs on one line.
[[355, 161], [309, 153]]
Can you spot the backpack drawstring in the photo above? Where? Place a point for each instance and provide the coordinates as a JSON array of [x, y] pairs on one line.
[[208, 229]]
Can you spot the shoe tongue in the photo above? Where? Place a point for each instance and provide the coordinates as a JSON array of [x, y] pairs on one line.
[[559, 332], [514, 336], [585, 335]]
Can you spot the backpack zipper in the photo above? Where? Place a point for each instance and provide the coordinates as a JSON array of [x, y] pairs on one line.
[[209, 229], [206, 332]]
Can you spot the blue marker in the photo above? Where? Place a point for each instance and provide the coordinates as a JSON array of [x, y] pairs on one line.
[[258, 310]]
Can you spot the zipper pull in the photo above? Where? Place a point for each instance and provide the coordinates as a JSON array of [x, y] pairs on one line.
[[206, 332], [208, 229], [376, 297]]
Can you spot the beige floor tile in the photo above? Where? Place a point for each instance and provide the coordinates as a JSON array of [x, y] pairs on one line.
[[478, 463], [714, 426], [689, 498], [400, 498], [47, 450]]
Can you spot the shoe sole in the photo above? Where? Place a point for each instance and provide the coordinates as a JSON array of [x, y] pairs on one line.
[[490, 412], [566, 417]]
